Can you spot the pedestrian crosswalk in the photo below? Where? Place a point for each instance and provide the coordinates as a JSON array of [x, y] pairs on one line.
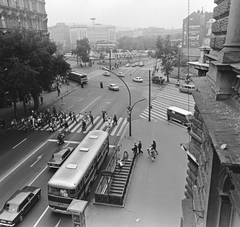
[[98, 124], [169, 96]]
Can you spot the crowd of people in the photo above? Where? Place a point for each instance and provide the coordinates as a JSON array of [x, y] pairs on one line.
[[58, 119]]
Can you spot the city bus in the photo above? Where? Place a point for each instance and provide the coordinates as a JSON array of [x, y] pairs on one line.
[[76, 176], [81, 78]]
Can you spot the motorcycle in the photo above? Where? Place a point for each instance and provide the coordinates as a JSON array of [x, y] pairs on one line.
[[61, 138], [151, 153]]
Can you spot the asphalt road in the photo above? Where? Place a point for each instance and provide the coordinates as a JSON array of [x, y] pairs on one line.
[[24, 155]]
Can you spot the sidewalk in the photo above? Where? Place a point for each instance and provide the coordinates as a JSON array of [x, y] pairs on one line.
[[48, 99], [156, 188]]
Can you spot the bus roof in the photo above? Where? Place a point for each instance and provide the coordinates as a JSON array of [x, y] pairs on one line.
[[73, 169], [179, 110]]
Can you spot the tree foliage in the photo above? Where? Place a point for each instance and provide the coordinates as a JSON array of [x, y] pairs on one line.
[[27, 64], [83, 49], [167, 52]]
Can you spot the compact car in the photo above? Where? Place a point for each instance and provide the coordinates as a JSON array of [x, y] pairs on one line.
[[59, 157], [138, 79], [113, 87], [106, 73], [120, 74]]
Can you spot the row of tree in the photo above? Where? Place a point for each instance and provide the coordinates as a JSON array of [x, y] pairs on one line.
[[28, 65]]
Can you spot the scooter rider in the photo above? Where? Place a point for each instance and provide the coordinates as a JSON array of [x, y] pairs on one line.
[[61, 138]]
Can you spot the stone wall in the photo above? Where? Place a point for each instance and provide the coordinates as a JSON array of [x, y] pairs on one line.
[[219, 27]]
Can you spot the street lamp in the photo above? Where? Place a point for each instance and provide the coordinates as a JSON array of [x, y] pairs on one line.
[[130, 107], [93, 18]]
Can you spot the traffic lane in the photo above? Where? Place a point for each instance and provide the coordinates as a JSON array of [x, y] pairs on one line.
[[49, 218], [20, 151]]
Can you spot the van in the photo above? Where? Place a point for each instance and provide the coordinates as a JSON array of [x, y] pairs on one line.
[[179, 115], [188, 88]]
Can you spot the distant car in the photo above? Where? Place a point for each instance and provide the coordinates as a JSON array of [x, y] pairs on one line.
[[106, 73], [18, 205], [59, 157], [127, 65], [120, 74], [134, 65], [138, 79], [141, 64], [113, 87]]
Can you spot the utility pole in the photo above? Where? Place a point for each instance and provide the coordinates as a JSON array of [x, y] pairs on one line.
[[150, 99]]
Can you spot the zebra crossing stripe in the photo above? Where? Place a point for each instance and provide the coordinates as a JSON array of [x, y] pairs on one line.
[[90, 124], [116, 126], [122, 127]]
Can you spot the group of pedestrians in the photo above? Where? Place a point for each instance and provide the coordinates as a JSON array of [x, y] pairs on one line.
[[152, 150], [108, 120]]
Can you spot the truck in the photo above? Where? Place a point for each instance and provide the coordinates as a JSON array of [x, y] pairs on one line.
[[157, 80]]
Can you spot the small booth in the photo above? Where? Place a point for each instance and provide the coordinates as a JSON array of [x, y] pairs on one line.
[[77, 209]]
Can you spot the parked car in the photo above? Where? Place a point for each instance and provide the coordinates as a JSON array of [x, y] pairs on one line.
[[113, 87], [138, 79], [106, 73], [127, 65], [157, 80], [59, 157], [120, 74], [18, 205]]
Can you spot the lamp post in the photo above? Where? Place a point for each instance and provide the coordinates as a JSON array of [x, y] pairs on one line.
[[130, 107], [93, 18]]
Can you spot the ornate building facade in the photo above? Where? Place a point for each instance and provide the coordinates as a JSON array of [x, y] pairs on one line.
[[213, 182], [29, 14]]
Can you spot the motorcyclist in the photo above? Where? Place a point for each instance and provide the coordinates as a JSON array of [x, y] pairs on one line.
[[61, 137]]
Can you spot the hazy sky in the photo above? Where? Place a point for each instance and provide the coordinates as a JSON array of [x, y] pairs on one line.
[[125, 13]]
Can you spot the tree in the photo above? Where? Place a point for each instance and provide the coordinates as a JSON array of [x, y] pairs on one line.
[[167, 53], [83, 49]]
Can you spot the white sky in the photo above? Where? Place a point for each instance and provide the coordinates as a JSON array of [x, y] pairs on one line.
[[125, 13]]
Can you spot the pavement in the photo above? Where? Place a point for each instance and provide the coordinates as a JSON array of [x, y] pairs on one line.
[[156, 188]]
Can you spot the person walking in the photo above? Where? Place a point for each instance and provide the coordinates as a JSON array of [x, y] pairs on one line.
[[2, 123], [140, 147], [84, 125], [66, 126], [41, 99], [115, 121], [91, 117], [154, 146], [70, 115], [74, 117], [103, 116], [134, 149]]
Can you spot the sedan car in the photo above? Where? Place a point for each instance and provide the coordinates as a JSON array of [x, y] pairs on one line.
[[127, 65], [59, 156], [113, 87], [120, 74], [138, 79], [18, 205], [106, 73]]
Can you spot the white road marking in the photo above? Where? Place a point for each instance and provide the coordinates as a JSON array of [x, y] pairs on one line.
[[38, 158], [22, 162], [19, 143], [70, 107], [80, 100], [38, 176], [123, 125], [44, 212], [91, 103]]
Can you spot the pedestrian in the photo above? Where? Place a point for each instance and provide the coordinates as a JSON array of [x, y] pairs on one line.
[[91, 117], [80, 116], [134, 149], [2, 123], [154, 146], [58, 90], [103, 115], [140, 147], [115, 121], [41, 99], [74, 117], [84, 125], [66, 126], [54, 111], [70, 115]]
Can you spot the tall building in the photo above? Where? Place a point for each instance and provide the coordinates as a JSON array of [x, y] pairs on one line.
[[96, 33], [197, 29], [29, 14], [213, 182], [61, 35]]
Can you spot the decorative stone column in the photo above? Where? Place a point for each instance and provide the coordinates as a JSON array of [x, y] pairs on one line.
[[231, 49]]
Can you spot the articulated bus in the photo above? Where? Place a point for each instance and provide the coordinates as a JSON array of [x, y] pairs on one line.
[[74, 179], [81, 78]]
